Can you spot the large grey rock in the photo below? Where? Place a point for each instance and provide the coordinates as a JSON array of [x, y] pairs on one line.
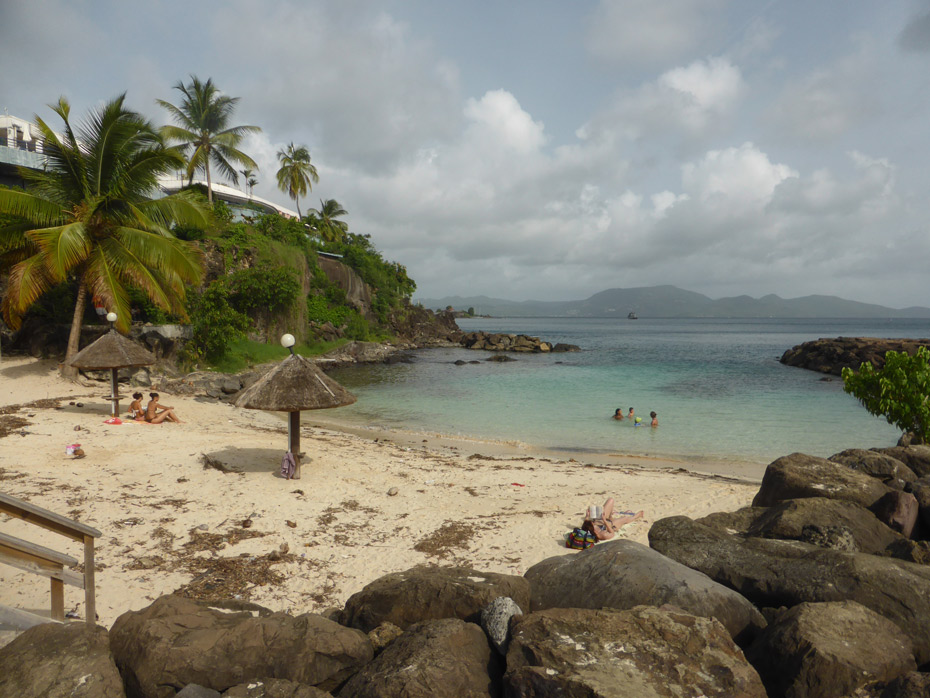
[[425, 593], [921, 492], [829, 650], [621, 574], [495, 621], [785, 573], [193, 690], [56, 660], [917, 458], [799, 476], [177, 641], [878, 465], [787, 520], [897, 510], [275, 688], [447, 657], [643, 652]]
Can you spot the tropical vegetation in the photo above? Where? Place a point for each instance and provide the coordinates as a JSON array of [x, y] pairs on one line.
[[296, 172], [89, 219], [204, 131], [94, 223], [899, 391]]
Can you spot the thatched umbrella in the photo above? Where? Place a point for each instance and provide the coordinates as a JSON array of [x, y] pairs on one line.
[[112, 351], [293, 385]]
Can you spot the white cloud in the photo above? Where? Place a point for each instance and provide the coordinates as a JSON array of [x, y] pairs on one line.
[[734, 178], [649, 32]]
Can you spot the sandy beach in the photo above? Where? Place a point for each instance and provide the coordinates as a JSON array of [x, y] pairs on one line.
[[368, 503]]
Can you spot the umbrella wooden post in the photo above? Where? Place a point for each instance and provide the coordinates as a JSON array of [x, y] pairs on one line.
[[293, 439], [114, 396]]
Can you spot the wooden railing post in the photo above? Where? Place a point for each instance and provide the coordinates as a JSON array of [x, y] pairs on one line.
[[90, 603]]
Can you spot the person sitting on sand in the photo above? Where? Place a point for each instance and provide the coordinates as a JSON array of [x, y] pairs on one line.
[[655, 419], [152, 414], [135, 408], [604, 522], [618, 413]]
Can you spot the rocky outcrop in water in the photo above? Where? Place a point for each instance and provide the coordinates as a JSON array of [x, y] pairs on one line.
[[833, 355], [495, 341]]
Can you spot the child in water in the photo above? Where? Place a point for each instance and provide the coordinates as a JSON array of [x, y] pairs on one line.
[[618, 413], [655, 419]]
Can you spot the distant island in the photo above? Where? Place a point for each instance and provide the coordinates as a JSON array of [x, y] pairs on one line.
[[669, 301]]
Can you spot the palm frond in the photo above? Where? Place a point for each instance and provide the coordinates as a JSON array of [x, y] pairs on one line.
[[38, 210], [62, 247], [28, 281]]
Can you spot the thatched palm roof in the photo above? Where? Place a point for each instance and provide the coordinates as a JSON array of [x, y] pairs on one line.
[[293, 385], [112, 350]]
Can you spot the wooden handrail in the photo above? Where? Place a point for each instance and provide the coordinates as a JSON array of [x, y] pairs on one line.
[[40, 560]]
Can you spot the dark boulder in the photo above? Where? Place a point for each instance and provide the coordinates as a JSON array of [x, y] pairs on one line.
[[898, 510], [911, 550], [643, 652], [878, 465], [55, 660], [798, 476], [921, 491], [917, 458], [787, 520], [447, 657], [426, 593], [785, 573], [621, 574], [829, 650], [177, 641]]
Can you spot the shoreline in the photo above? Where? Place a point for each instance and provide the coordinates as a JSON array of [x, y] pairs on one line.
[[367, 504]]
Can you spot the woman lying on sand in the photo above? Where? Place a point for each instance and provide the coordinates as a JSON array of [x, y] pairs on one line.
[[152, 414], [604, 522]]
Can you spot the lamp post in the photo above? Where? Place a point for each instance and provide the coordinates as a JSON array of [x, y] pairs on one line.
[[293, 418], [114, 396]]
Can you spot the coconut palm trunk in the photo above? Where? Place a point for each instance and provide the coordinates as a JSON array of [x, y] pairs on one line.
[[74, 337]]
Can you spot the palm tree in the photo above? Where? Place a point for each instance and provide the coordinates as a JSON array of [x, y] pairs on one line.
[[250, 180], [296, 172], [324, 219], [205, 133], [88, 217]]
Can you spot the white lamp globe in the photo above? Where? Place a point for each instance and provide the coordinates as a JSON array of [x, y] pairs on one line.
[[111, 317], [287, 341]]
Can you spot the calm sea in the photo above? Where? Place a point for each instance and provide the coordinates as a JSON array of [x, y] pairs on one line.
[[717, 386]]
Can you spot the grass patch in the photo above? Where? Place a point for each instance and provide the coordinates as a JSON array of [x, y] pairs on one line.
[[244, 353]]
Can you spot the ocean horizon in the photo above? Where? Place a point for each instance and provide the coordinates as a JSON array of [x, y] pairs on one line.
[[720, 393]]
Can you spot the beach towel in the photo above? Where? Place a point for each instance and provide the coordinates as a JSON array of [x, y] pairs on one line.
[[113, 420], [288, 466]]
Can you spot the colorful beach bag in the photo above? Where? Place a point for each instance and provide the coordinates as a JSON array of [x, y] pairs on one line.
[[579, 539]]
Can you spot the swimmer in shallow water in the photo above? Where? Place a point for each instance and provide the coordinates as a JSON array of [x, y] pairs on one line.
[[638, 422], [655, 419], [618, 413]]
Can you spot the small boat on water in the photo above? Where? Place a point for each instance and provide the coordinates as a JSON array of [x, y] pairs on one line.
[[632, 316]]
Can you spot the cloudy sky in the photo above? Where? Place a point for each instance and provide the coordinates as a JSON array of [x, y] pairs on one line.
[[551, 149]]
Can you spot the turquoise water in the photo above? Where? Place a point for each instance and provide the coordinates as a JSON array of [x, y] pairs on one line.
[[717, 386]]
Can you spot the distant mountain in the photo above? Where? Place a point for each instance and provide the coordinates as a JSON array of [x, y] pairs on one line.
[[670, 301]]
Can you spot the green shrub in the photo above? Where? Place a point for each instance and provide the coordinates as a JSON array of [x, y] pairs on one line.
[[214, 324], [899, 391], [265, 288]]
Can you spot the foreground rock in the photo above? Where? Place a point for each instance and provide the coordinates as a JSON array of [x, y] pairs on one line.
[[793, 519], [833, 355], [798, 476], [785, 573], [60, 661], [643, 652], [274, 688], [435, 658], [829, 649], [177, 641], [622, 574], [886, 468], [425, 593]]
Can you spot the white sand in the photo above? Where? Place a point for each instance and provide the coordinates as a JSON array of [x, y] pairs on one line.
[[146, 489]]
